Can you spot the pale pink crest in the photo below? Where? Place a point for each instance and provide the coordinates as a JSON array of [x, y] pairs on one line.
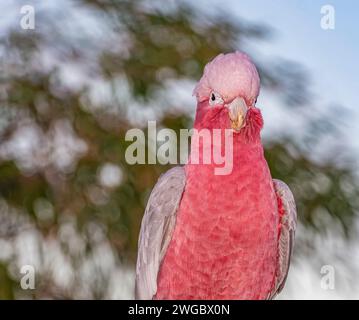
[[231, 75]]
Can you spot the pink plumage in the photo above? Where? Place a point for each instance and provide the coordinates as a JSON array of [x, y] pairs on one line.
[[224, 239]]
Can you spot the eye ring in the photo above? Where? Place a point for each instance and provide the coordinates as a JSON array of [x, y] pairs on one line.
[[215, 99]]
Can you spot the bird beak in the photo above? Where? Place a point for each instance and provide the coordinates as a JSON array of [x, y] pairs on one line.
[[237, 111]]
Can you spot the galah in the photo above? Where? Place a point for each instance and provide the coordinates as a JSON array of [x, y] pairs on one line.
[[208, 236]]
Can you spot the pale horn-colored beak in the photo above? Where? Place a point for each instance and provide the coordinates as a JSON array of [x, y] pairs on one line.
[[237, 111]]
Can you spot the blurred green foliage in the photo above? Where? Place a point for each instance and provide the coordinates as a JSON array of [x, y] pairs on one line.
[[132, 49]]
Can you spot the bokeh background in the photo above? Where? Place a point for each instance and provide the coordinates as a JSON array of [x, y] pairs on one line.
[[71, 206]]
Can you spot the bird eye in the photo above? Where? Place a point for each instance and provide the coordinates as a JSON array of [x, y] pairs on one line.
[[215, 99]]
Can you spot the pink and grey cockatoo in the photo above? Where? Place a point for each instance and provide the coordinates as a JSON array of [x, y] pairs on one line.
[[207, 236]]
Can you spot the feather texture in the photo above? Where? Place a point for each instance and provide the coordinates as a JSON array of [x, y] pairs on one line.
[[156, 230], [287, 227], [225, 242]]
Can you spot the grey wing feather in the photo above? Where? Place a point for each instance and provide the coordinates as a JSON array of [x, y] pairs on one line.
[[286, 237], [156, 230]]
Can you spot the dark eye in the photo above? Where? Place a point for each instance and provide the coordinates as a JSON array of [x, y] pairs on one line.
[[215, 99]]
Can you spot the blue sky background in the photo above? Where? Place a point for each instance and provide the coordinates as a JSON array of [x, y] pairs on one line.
[[331, 55]]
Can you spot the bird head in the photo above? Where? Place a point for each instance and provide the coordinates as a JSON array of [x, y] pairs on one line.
[[226, 95]]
